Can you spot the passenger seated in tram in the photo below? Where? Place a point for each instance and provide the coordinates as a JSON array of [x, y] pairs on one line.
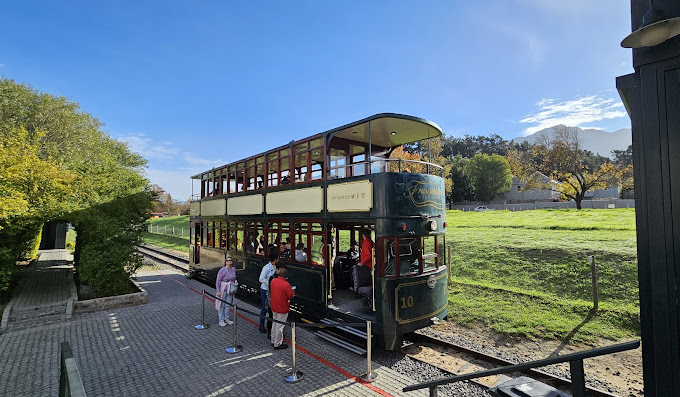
[[285, 180], [300, 254], [285, 249]]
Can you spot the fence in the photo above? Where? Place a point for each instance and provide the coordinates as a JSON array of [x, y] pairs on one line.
[[537, 205], [70, 384], [173, 231], [578, 381], [295, 375]]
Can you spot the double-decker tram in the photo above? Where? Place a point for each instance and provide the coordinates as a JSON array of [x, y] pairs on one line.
[[311, 200]]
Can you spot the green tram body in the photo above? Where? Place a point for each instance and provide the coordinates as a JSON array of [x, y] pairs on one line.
[[400, 206]]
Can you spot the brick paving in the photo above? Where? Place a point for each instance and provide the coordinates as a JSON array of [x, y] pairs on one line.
[[154, 349]]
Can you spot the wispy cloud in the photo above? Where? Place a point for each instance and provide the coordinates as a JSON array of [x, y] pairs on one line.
[[573, 113], [2, 65]]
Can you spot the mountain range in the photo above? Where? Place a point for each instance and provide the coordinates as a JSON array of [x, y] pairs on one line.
[[597, 141]]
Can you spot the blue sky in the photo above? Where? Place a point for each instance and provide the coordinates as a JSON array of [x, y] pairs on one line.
[[193, 85]]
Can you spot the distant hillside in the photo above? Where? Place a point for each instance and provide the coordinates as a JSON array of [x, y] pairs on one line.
[[597, 141]]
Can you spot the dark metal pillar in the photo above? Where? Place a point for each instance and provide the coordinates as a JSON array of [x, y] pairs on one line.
[[652, 98]]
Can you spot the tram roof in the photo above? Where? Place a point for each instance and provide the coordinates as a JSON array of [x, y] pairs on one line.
[[386, 130]]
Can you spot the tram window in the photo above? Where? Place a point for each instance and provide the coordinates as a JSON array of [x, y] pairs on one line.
[[232, 241], [259, 173], [301, 242], [286, 242], [285, 167], [223, 236], [239, 238], [317, 165], [240, 177], [429, 253], [389, 255], [301, 169], [408, 256], [358, 169], [317, 250], [338, 163], [209, 234], [192, 235], [272, 235]]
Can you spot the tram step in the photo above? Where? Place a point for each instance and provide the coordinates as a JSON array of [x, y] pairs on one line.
[[346, 345], [357, 332]]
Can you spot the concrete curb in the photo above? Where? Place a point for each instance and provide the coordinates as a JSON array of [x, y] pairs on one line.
[[5, 317], [111, 302]]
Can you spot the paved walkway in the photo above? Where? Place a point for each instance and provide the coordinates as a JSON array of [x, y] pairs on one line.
[[154, 349]]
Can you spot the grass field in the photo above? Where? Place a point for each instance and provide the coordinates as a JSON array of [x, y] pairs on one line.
[[525, 273], [165, 225]]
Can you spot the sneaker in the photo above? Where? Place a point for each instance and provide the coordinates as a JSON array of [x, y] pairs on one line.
[[281, 346], [229, 322], [222, 324], [262, 329]]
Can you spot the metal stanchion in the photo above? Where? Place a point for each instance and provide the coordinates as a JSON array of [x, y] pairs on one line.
[[202, 325], [368, 376], [295, 375], [234, 347]]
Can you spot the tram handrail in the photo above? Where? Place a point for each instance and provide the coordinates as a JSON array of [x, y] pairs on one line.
[[575, 361], [436, 168]]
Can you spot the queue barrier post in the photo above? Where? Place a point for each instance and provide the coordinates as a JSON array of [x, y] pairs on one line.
[[295, 375], [369, 375], [234, 347], [202, 325]]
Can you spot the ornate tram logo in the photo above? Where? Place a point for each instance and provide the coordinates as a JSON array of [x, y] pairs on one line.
[[424, 194], [432, 281]]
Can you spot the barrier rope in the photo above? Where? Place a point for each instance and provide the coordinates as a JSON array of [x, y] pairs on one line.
[[300, 325]]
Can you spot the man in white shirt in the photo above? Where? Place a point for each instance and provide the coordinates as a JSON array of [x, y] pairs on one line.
[[267, 271]]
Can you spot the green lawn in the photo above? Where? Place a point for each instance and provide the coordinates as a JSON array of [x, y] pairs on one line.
[[165, 225], [526, 273]]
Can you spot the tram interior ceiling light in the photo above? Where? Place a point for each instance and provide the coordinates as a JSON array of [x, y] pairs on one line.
[[655, 29]]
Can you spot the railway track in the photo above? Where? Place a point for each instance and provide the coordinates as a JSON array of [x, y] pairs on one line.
[[163, 256], [457, 360]]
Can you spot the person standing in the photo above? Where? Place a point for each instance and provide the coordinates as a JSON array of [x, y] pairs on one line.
[[281, 294], [225, 277], [267, 271], [366, 257]]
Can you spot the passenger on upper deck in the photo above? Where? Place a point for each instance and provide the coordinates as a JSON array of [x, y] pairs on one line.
[[285, 180]]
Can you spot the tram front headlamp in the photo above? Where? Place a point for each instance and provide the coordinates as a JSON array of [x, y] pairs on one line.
[[433, 225]]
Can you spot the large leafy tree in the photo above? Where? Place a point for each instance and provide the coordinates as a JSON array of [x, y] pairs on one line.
[[562, 158], [55, 162], [488, 175]]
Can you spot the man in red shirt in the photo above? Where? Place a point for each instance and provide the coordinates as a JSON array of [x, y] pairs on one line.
[[281, 294], [366, 249]]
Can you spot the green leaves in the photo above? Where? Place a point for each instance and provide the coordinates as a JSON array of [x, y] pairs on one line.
[[488, 175], [56, 163]]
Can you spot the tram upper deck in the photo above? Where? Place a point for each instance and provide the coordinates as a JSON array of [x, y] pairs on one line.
[[357, 149]]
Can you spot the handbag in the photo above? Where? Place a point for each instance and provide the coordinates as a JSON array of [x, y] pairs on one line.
[[233, 287]]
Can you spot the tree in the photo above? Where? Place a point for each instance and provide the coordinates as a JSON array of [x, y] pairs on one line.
[[462, 189], [562, 158], [488, 175], [55, 161]]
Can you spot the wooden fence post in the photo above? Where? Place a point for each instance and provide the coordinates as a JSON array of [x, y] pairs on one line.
[[448, 267], [593, 275]]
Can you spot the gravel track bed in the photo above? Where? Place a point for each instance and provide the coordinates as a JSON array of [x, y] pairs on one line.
[[421, 372], [557, 370]]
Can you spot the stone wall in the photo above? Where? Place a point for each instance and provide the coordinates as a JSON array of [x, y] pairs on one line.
[[111, 302]]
